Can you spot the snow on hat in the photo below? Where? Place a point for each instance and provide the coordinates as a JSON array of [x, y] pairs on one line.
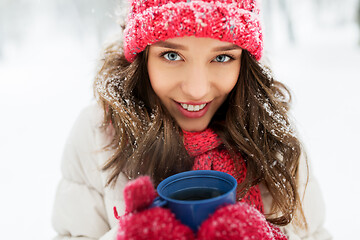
[[235, 21]]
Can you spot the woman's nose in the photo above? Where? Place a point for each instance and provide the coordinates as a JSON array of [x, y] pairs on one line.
[[196, 84]]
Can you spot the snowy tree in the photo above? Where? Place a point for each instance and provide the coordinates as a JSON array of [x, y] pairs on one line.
[[88, 16], [14, 19], [358, 20], [277, 14]]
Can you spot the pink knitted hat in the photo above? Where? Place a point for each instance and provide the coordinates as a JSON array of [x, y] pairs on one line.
[[235, 21]]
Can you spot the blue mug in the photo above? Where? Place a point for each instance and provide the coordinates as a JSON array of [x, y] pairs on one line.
[[194, 195]]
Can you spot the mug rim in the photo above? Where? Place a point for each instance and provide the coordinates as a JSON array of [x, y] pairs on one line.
[[199, 173]]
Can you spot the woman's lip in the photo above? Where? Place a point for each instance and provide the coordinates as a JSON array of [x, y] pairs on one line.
[[193, 114]]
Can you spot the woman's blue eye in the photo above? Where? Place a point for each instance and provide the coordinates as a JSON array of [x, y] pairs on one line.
[[172, 56], [222, 58]]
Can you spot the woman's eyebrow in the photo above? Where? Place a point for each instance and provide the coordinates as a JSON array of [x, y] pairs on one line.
[[182, 47], [169, 45], [226, 48]]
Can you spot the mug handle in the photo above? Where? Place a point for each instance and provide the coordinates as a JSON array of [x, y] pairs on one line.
[[158, 202]]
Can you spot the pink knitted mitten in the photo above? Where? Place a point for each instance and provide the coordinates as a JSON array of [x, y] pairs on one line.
[[140, 223], [238, 222]]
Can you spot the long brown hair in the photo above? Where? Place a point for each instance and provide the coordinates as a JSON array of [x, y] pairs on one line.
[[253, 122]]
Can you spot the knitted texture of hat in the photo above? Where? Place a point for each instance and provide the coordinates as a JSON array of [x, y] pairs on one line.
[[205, 147], [234, 21]]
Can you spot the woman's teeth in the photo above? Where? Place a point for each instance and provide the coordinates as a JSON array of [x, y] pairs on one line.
[[193, 108]]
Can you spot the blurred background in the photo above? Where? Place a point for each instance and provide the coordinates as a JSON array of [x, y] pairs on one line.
[[49, 51]]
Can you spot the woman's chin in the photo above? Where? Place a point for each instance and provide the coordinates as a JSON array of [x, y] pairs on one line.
[[193, 127]]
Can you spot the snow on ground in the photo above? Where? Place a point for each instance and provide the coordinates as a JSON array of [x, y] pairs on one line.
[[46, 81]]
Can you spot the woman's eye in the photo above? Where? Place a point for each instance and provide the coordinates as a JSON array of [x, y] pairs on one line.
[[172, 56], [222, 58]]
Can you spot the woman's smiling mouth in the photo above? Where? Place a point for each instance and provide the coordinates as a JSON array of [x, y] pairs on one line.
[[192, 110]]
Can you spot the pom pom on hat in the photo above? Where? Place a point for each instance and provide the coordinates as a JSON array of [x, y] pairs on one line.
[[235, 21]]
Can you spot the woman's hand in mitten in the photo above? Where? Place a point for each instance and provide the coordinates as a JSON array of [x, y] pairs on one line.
[[238, 222], [140, 223]]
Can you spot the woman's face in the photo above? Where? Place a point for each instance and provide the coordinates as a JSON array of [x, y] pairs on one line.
[[192, 77]]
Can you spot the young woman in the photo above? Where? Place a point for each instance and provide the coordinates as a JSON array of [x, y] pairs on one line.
[[185, 90]]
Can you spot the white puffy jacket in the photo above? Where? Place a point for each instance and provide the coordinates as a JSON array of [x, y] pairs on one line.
[[83, 207]]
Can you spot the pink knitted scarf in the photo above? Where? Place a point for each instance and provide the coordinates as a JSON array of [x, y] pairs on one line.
[[205, 147]]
